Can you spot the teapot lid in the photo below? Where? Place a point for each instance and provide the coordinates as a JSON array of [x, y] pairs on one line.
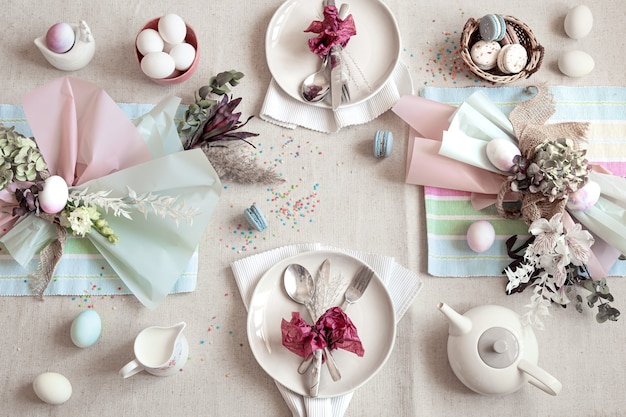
[[498, 347]]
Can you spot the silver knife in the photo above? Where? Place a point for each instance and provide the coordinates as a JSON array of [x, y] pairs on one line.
[[316, 374], [323, 279], [335, 72]]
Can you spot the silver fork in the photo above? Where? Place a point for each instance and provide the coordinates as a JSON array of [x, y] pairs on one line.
[[357, 287], [345, 92]]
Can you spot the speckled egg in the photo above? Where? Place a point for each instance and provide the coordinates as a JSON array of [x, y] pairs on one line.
[[52, 388], [86, 328], [480, 236], [53, 197], [585, 197], [501, 152]]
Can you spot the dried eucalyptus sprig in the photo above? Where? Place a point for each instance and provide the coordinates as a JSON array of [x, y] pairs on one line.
[[197, 112]]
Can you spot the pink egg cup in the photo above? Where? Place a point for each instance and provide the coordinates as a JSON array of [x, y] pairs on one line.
[[178, 76]]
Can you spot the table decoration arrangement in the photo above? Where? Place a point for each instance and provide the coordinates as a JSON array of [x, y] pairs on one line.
[[258, 277], [147, 196], [548, 178], [370, 62]]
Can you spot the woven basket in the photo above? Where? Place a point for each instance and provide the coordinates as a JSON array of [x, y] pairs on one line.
[[471, 35]]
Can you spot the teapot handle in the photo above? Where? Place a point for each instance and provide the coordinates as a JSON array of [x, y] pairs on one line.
[[540, 378]]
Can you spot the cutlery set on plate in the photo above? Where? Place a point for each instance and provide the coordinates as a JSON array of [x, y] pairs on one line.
[[301, 287], [331, 76]]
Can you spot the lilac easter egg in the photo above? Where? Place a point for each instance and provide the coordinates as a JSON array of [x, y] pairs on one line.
[[501, 152], [60, 38], [585, 197], [480, 236]]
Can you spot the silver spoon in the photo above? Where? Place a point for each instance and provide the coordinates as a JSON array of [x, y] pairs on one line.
[[300, 287], [317, 85]]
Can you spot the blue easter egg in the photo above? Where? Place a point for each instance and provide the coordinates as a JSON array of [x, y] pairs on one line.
[[86, 328]]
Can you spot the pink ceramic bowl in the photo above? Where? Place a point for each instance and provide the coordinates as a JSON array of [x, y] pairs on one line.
[[178, 76]]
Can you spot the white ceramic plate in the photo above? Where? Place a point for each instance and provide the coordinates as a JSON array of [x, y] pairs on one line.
[[370, 56], [373, 315]]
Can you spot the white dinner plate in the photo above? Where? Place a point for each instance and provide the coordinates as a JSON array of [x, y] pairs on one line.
[[373, 315], [370, 56]]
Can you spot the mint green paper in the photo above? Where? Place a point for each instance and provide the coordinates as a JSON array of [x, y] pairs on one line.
[[476, 122], [607, 218], [153, 251]]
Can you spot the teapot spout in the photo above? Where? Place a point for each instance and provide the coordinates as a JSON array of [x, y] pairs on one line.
[[459, 324]]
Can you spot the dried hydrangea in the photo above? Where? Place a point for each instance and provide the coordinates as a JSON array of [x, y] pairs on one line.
[[20, 159], [556, 170], [564, 168]]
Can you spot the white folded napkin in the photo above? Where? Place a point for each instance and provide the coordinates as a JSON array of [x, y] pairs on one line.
[[402, 285], [283, 110]]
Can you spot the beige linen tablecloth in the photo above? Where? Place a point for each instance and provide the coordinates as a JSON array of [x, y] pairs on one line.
[[334, 191]]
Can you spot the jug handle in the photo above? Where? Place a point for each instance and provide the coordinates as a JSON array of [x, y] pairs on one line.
[[131, 368], [540, 378]]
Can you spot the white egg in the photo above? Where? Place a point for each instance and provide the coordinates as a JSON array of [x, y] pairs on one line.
[[158, 65], [578, 22], [576, 63], [148, 41], [172, 28], [183, 55], [501, 152], [480, 236], [167, 47], [52, 388], [53, 197], [585, 197]]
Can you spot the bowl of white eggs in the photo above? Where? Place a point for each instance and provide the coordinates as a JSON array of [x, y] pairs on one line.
[[167, 50]]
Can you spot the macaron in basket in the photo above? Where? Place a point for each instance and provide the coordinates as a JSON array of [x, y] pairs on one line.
[[500, 48]]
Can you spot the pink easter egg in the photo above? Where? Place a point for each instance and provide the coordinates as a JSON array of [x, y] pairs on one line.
[[480, 236], [585, 197], [53, 197]]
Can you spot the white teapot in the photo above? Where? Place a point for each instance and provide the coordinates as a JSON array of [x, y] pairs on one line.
[[493, 353]]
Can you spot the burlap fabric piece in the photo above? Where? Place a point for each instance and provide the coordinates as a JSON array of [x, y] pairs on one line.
[[529, 124]]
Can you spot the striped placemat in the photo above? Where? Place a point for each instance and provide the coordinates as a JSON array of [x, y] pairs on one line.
[[449, 213], [82, 270]]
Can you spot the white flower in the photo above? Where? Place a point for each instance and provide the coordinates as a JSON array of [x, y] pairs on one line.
[[80, 220], [546, 233], [579, 244]]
